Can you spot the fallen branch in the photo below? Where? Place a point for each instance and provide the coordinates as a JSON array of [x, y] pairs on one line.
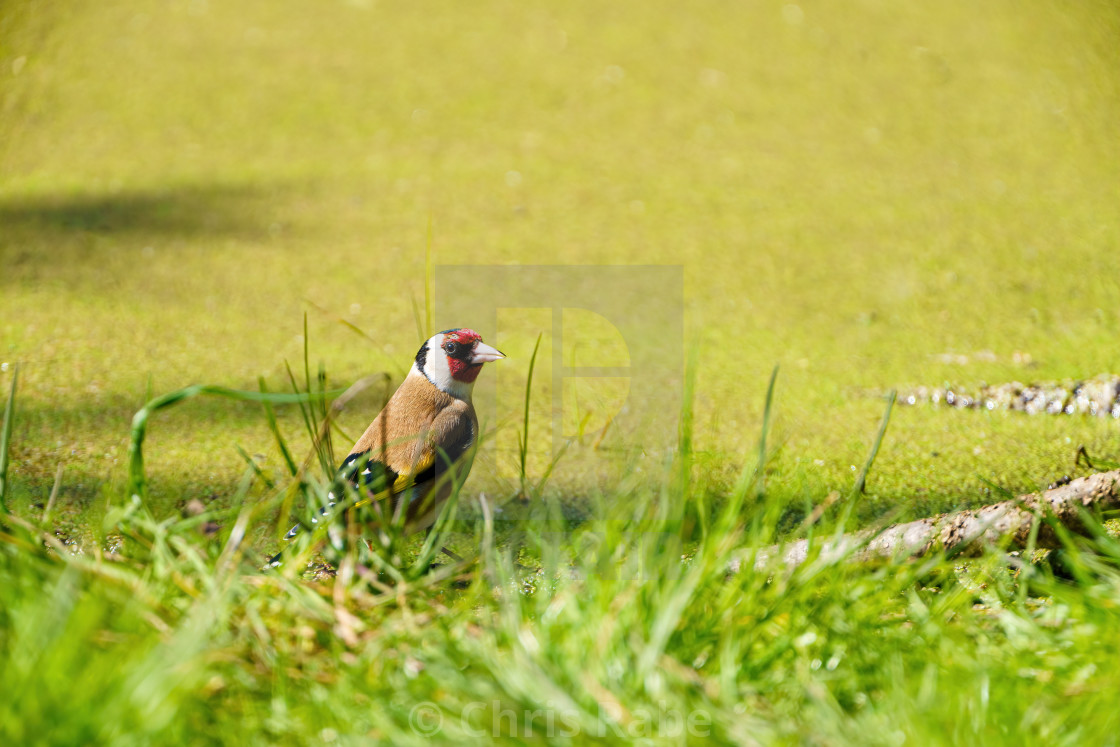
[[964, 532]]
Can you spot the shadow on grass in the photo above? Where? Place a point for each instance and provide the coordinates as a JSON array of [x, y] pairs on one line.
[[183, 211], [62, 233]]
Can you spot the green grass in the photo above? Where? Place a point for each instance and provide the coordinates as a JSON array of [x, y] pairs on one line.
[[602, 634], [852, 192]]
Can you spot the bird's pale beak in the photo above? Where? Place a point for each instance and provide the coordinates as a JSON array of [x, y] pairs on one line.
[[483, 353]]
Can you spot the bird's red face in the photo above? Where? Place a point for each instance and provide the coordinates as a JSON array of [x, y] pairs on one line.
[[458, 344], [466, 352]]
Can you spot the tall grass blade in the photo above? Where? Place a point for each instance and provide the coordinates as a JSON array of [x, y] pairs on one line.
[[326, 444], [551, 466], [316, 420], [252, 465], [860, 485], [310, 422], [861, 481], [54, 493], [6, 440], [307, 362], [767, 414], [307, 422], [751, 474], [684, 492], [274, 428], [417, 317], [429, 285], [523, 438]]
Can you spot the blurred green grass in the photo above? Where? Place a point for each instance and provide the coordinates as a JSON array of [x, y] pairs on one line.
[[852, 192]]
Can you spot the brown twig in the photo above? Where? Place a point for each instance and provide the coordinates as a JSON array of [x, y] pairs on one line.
[[964, 532]]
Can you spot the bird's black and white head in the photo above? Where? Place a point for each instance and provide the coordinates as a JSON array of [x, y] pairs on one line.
[[453, 359]]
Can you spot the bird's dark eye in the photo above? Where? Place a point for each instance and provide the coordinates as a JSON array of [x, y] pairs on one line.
[[451, 348]]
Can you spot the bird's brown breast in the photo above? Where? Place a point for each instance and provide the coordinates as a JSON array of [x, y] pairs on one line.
[[417, 420]]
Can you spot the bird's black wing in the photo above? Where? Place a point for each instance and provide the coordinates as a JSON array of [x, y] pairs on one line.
[[360, 470]]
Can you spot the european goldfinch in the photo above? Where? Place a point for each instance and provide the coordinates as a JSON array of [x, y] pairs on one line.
[[425, 430]]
